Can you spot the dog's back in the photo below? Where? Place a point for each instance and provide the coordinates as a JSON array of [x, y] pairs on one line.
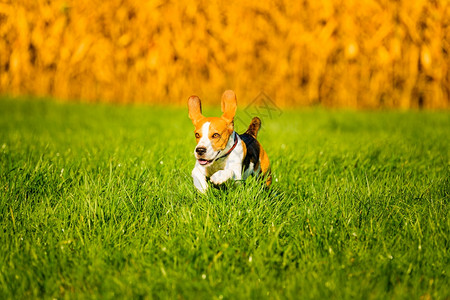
[[256, 159]]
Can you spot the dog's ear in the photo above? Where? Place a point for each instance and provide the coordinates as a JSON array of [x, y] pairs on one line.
[[229, 104], [195, 109]]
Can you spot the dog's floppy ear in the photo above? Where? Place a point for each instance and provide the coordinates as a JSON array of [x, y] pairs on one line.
[[229, 104], [195, 109]]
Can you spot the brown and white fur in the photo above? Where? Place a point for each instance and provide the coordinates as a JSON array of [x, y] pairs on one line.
[[221, 153]]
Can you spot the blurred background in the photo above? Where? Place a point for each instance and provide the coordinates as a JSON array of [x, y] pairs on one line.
[[335, 53]]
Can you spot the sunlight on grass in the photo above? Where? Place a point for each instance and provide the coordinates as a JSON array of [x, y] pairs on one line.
[[97, 201]]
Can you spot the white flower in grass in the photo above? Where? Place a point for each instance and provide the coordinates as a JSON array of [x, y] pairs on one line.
[[161, 162], [203, 276]]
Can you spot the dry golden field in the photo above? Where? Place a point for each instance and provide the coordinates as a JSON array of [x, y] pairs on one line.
[[338, 53]]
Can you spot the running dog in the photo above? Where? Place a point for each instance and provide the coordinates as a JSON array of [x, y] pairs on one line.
[[222, 154]]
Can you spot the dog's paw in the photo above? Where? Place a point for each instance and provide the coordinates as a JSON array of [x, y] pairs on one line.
[[221, 176]]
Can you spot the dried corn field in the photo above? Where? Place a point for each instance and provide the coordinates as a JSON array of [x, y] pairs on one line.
[[358, 54]]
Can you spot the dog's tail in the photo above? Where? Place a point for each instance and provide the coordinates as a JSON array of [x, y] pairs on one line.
[[254, 127]]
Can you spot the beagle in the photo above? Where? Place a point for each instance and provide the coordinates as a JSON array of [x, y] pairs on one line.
[[221, 153]]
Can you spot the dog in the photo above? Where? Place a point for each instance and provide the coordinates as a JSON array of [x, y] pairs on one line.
[[222, 154]]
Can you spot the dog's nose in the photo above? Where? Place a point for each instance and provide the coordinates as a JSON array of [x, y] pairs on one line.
[[200, 150]]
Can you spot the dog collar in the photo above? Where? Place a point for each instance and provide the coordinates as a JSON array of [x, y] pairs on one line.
[[234, 145]]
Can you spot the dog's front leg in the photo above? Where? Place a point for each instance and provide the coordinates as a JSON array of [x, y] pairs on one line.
[[199, 180], [233, 170], [221, 176]]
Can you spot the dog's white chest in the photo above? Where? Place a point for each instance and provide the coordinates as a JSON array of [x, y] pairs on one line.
[[216, 166]]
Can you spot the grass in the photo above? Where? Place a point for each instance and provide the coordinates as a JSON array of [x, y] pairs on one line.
[[96, 201]]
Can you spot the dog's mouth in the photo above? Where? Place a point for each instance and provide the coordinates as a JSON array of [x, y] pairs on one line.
[[204, 162]]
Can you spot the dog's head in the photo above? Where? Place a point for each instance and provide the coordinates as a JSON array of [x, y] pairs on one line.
[[212, 134]]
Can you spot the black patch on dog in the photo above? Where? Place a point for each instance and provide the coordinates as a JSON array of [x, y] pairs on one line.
[[253, 150]]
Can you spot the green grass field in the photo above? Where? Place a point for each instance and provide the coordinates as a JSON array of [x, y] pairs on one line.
[[97, 201]]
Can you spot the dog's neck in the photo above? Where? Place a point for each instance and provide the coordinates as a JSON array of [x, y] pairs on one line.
[[220, 161], [232, 142]]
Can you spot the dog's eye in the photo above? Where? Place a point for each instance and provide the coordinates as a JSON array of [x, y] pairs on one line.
[[197, 135], [216, 136]]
